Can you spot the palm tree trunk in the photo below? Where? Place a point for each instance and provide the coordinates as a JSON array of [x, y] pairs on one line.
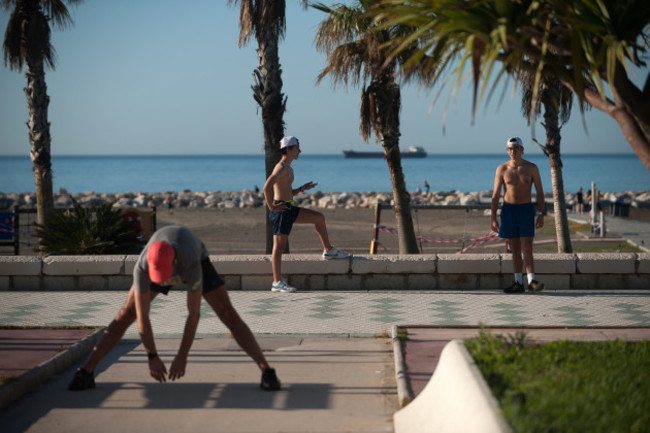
[[402, 208], [267, 91], [39, 137], [561, 220], [553, 139]]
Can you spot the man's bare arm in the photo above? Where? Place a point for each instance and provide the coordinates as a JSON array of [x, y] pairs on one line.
[[142, 307], [541, 205], [268, 189], [177, 369], [496, 196], [537, 181]]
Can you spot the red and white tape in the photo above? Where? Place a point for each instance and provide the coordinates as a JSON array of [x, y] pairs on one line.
[[490, 237]]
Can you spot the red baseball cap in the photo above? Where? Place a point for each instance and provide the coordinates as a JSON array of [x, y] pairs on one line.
[[161, 261]]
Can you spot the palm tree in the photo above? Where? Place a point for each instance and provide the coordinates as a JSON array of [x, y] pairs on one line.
[[353, 44], [27, 43], [582, 43], [557, 101], [265, 19]]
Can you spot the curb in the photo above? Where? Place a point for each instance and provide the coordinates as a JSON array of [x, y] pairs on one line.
[[404, 392], [456, 399], [39, 374]]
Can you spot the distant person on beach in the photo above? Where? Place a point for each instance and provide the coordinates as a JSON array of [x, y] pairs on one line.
[[173, 255], [169, 203], [518, 223], [283, 213], [426, 187], [580, 206]]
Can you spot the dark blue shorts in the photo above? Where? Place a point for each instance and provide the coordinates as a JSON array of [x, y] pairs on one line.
[[211, 279], [283, 221], [517, 221]]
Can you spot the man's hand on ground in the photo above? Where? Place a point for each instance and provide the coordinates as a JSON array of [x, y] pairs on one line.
[[157, 369]]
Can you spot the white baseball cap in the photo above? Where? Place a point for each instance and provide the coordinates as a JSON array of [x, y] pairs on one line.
[[288, 141], [515, 140]]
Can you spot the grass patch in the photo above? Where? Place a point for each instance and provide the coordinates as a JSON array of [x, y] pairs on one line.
[[567, 386], [6, 380], [402, 334]]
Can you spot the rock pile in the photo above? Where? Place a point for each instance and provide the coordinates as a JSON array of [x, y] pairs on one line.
[[315, 200]]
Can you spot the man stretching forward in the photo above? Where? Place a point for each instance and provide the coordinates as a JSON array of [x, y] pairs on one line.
[[278, 193], [173, 255], [517, 177]]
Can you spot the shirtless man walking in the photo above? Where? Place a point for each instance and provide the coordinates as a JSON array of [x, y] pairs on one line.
[[278, 193], [518, 222]]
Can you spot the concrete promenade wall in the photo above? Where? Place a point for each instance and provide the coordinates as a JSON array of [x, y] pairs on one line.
[[600, 271]]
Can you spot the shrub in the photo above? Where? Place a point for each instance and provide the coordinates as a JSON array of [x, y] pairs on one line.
[[89, 231]]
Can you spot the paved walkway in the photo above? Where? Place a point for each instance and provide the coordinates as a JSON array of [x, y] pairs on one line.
[[637, 232], [333, 382], [340, 313]]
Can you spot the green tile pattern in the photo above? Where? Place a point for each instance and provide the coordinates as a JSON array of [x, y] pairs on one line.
[[574, 316], [447, 312], [327, 307], [385, 310], [510, 314], [633, 312], [266, 307]]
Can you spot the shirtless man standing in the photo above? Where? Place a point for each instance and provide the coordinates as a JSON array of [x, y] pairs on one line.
[[278, 193], [517, 177]]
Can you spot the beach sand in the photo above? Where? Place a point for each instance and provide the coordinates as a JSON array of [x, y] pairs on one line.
[[241, 231]]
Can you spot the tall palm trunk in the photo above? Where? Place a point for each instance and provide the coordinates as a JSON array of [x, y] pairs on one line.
[[388, 100], [39, 128], [268, 94], [552, 150], [402, 208]]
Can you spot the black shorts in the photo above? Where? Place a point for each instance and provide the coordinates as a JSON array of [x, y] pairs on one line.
[[211, 279], [283, 221]]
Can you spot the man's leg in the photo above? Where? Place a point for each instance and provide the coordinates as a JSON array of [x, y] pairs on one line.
[[279, 244], [308, 216], [114, 331], [515, 247], [527, 250], [219, 300]]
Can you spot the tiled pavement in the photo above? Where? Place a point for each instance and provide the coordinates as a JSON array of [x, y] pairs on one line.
[[341, 313]]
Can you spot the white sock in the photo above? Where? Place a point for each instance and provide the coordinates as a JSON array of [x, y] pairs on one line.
[[531, 277], [519, 277]]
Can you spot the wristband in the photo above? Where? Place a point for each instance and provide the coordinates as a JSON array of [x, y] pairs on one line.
[[540, 213], [152, 355]]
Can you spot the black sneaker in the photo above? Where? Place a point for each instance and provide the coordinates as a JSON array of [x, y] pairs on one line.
[[535, 287], [270, 381], [82, 380], [515, 288]]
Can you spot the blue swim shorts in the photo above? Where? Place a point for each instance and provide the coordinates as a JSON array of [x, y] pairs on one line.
[[517, 221], [283, 221]]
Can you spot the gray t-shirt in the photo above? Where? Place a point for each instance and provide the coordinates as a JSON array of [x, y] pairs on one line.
[[189, 252]]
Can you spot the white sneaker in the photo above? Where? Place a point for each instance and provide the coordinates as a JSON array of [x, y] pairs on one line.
[[283, 287], [335, 253]]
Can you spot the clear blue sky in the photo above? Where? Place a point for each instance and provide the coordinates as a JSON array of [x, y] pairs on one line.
[[161, 77]]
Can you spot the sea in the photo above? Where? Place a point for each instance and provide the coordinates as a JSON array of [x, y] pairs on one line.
[[333, 173]]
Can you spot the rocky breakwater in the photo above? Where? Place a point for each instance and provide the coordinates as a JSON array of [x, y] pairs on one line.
[[315, 200]]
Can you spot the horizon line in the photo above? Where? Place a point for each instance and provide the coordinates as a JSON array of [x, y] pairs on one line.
[[307, 155]]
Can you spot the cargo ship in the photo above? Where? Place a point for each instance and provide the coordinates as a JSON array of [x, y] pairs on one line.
[[411, 152]]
